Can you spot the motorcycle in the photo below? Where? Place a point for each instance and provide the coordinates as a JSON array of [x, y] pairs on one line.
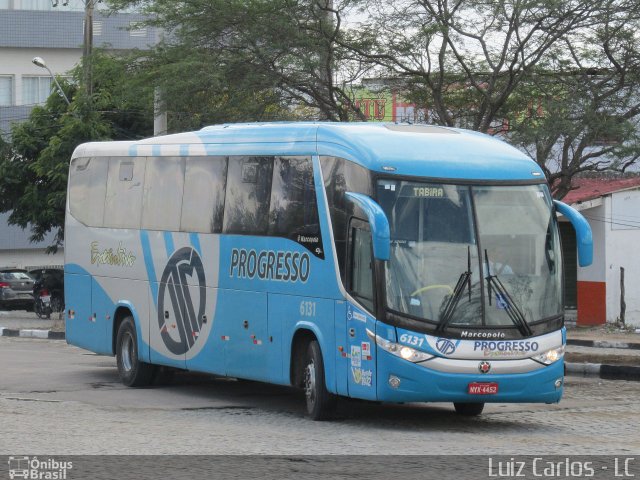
[[48, 297]]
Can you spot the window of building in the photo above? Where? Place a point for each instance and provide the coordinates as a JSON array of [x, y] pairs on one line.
[[137, 29], [163, 186], [6, 90], [35, 90], [87, 189], [62, 5], [125, 183], [248, 193], [97, 28], [204, 193]]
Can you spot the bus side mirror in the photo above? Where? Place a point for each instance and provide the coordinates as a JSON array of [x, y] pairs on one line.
[[584, 239], [380, 233]]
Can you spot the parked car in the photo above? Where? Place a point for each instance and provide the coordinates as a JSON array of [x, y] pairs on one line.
[[48, 291], [16, 289]]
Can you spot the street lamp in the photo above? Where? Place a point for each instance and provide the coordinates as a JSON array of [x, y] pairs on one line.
[[39, 61]]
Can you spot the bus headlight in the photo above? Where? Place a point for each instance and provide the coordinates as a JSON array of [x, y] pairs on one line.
[[550, 356], [402, 351]]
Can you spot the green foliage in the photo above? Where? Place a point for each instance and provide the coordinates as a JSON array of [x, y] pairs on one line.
[[34, 164], [245, 60]]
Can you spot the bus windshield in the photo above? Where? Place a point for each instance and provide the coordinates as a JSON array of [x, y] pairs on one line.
[[472, 255]]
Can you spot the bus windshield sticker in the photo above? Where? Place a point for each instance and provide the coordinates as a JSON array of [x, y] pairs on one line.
[[356, 358]]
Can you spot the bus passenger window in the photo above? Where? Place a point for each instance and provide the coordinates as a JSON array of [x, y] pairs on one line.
[[87, 189], [162, 202], [294, 210], [248, 192], [205, 180], [123, 202], [361, 279]]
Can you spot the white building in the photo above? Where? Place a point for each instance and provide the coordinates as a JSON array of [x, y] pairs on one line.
[[612, 208], [53, 30]]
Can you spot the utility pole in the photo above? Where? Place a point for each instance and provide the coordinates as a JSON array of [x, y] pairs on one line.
[[88, 43]]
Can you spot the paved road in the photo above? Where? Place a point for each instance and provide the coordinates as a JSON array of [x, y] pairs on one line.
[[59, 399]]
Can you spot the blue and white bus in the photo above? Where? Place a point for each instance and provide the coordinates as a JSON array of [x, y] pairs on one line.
[[386, 262]]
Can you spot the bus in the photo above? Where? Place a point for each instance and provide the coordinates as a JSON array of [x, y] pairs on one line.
[[384, 262]]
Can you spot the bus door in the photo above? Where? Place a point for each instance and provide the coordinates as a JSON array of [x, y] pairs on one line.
[[360, 283]]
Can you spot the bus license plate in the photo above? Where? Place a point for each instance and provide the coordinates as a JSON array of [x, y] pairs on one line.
[[483, 388]]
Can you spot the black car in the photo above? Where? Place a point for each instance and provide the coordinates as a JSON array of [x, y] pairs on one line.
[[16, 289]]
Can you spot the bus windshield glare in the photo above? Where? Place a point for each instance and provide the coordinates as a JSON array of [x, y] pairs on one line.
[[470, 256]]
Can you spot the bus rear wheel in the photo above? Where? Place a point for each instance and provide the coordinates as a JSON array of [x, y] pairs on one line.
[[469, 409], [320, 403], [133, 372]]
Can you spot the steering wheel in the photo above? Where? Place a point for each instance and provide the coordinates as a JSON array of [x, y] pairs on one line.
[[431, 287]]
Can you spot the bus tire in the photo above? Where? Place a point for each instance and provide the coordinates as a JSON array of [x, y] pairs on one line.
[[469, 409], [133, 372], [320, 403]]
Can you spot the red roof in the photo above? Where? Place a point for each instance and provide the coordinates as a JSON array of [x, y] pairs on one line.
[[590, 188]]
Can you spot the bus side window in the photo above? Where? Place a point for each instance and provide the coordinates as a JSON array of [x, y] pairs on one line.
[[342, 176], [205, 181], [248, 194], [87, 189], [163, 186], [294, 209], [123, 202], [361, 264]]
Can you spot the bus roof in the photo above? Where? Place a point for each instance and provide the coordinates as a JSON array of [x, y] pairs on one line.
[[400, 149]]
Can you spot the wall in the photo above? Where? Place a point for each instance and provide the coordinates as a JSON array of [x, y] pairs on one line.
[[622, 250], [32, 257], [592, 286]]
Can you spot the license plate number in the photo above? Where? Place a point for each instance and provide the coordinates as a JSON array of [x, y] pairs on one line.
[[45, 298], [483, 388]]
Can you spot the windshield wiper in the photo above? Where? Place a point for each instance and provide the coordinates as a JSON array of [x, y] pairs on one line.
[[454, 299], [514, 313]]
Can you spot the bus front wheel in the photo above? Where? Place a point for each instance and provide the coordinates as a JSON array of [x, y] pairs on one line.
[[320, 403], [469, 409], [133, 372]]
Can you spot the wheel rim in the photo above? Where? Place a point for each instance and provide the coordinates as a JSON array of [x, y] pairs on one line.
[[310, 383], [127, 352]]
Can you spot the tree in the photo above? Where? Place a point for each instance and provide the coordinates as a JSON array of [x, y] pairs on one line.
[[476, 64], [251, 59], [34, 164], [586, 116]]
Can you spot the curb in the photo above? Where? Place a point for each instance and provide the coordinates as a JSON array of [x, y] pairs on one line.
[[604, 371], [603, 344], [44, 334]]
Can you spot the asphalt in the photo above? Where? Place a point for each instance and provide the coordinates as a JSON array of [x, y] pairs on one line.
[[607, 352]]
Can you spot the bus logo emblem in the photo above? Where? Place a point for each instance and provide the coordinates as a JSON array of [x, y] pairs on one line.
[[446, 346], [180, 330], [484, 367]]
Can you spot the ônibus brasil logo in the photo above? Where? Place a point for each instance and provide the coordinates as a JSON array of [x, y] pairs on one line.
[[34, 468], [180, 330]]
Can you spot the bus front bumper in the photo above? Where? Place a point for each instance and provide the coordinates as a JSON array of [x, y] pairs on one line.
[[403, 381]]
